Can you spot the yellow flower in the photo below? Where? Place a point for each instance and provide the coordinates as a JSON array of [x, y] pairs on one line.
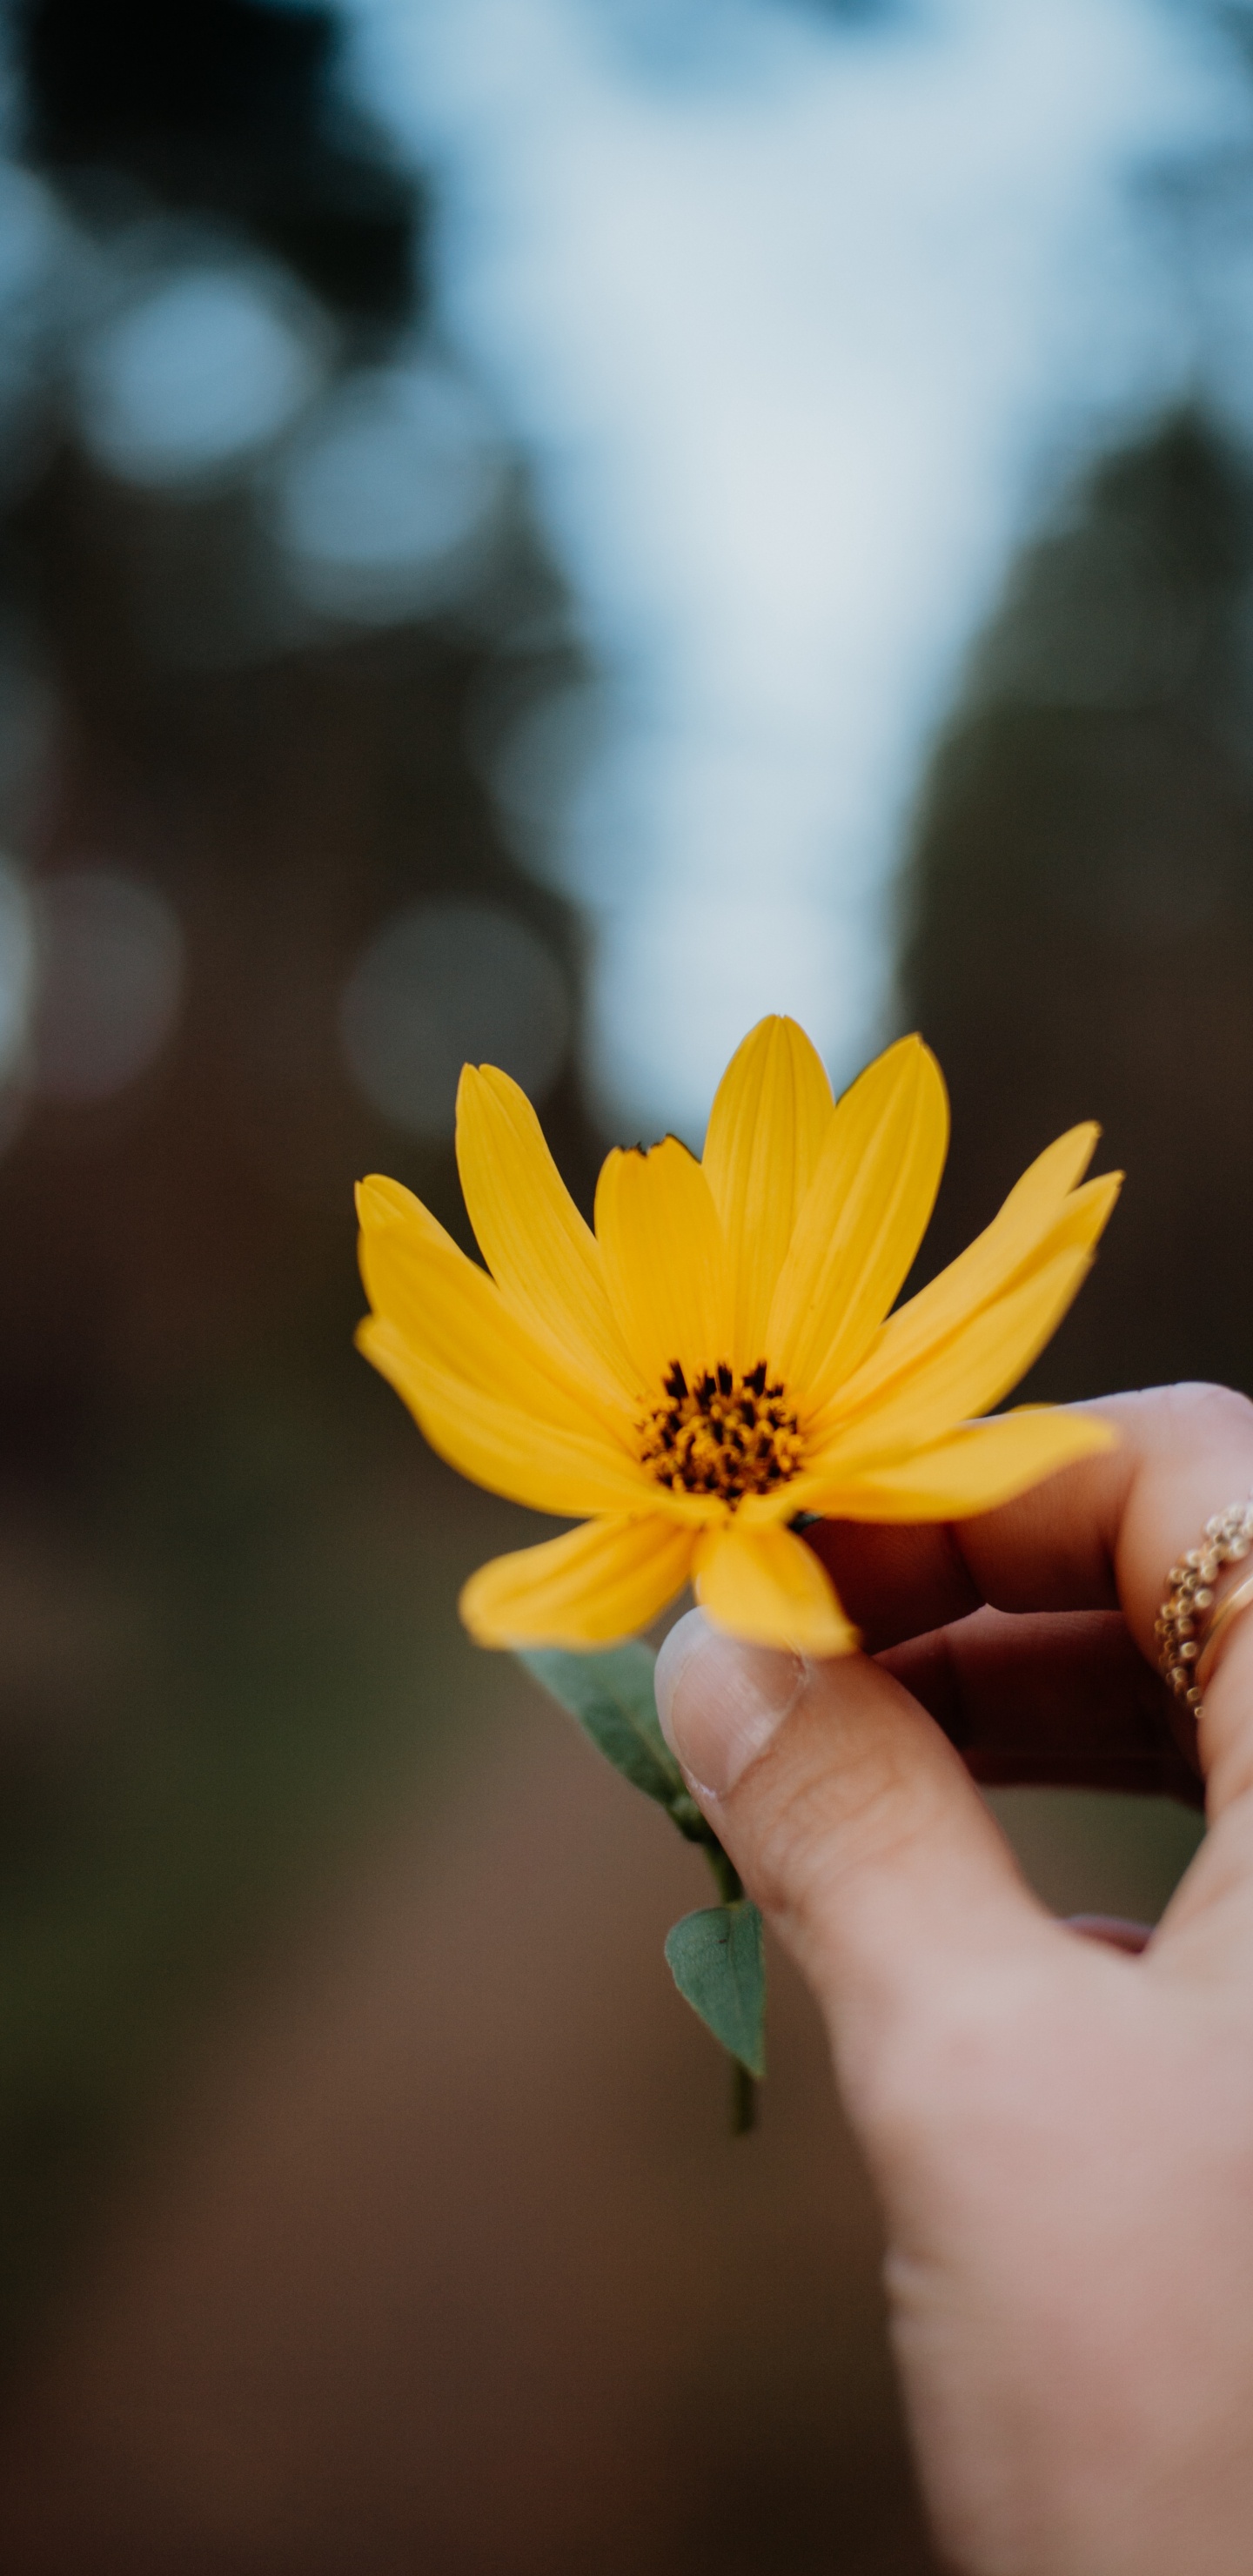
[[714, 1359]]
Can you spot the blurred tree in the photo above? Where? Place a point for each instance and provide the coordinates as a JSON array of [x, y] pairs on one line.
[[234, 1565], [230, 108], [1080, 905]]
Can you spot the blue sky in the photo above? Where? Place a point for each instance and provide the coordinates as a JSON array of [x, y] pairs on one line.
[[802, 327]]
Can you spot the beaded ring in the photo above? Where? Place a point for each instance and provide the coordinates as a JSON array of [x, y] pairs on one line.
[[1184, 1631]]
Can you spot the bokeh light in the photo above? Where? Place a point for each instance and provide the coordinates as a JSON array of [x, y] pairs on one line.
[[447, 984], [198, 371], [383, 502], [109, 973], [538, 758]]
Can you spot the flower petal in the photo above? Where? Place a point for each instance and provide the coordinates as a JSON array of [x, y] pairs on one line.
[[770, 1115], [767, 1586], [499, 1445], [665, 1260], [863, 1219], [596, 1584], [542, 1255], [1082, 1218], [977, 1468], [455, 1316], [381, 1201], [1042, 1214], [968, 1373]]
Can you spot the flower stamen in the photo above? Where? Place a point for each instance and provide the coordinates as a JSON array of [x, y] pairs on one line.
[[726, 1435]]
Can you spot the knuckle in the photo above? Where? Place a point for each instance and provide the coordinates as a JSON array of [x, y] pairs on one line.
[[1220, 1415]]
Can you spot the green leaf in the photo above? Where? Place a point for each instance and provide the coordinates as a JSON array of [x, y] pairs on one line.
[[718, 1963], [612, 1696]]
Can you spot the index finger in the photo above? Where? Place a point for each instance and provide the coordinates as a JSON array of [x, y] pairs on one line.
[[1100, 1535]]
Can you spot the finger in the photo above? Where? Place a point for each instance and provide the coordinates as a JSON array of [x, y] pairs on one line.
[[855, 1825], [1101, 1534], [1183, 1452], [1058, 1698]]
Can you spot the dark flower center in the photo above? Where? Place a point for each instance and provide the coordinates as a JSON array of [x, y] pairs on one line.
[[725, 1435]]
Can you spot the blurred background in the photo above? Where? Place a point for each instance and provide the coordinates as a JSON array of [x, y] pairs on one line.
[[533, 530]]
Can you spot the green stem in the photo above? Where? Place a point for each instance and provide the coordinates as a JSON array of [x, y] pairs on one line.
[[743, 2100], [730, 1888], [727, 1879]]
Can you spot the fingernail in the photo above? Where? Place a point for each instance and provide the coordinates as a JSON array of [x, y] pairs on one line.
[[1113, 1928], [720, 1702]]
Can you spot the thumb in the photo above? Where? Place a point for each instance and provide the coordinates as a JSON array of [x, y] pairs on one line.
[[854, 1824]]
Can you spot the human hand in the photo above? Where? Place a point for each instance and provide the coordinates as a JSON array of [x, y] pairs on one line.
[[1061, 2134]]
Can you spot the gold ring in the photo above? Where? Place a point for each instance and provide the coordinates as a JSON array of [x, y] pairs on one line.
[[1229, 1608], [1187, 1636]]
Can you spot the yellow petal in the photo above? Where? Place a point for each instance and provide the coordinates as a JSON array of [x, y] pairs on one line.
[[566, 1472], [770, 1115], [767, 1586], [454, 1316], [542, 1255], [977, 1468], [380, 1201], [596, 1584], [665, 1260], [1083, 1217], [968, 1373], [863, 1219], [893, 1364], [1043, 1213]]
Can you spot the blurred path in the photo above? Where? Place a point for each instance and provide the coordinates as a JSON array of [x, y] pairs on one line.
[[450, 2266]]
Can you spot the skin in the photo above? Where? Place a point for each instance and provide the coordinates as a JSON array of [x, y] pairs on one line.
[[1061, 2132]]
